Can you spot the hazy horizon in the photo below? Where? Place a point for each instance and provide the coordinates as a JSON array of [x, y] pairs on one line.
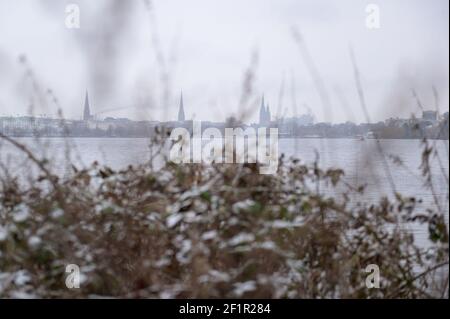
[[206, 48]]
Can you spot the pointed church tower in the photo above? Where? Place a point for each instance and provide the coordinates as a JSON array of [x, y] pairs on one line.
[[262, 112], [181, 117], [268, 115], [87, 110]]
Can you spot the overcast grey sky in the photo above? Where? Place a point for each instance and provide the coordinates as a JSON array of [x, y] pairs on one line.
[[206, 47]]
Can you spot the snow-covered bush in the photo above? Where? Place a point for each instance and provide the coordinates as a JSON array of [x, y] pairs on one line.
[[211, 231]]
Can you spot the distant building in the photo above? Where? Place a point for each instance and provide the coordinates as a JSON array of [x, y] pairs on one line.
[[87, 111], [264, 114], [445, 116], [181, 117], [32, 126], [302, 120], [396, 122], [429, 115]]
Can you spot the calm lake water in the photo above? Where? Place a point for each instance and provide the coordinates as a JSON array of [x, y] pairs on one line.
[[361, 160]]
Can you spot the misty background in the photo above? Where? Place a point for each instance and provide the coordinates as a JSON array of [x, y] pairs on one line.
[[136, 56]]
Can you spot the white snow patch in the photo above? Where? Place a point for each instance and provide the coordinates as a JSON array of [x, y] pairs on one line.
[[57, 213], [3, 233], [182, 255], [237, 207], [172, 220], [243, 287], [241, 238], [209, 235], [21, 278], [34, 241], [21, 213]]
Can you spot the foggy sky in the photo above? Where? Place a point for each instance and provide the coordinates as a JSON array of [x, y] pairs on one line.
[[127, 52]]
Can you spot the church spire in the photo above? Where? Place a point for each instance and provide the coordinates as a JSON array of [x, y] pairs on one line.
[[268, 115], [87, 110], [262, 112], [181, 117]]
